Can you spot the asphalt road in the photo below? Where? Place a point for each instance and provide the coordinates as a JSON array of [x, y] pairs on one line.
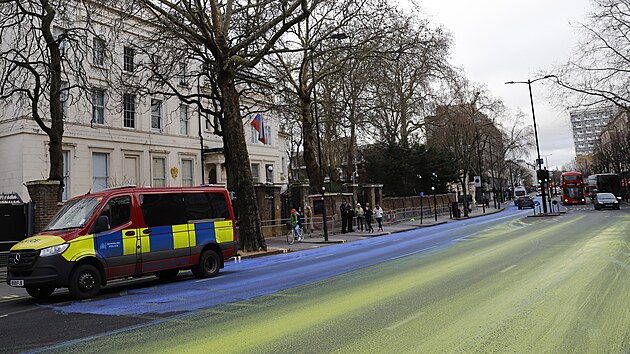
[[500, 283]]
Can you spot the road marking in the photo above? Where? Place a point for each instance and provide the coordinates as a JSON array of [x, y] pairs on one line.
[[412, 253], [3, 316], [405, 321], [508, 268], [199, 281], [323, 256]]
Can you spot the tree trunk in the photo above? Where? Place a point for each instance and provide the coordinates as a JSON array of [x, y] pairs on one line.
[[309, 132], [55, 133], [238, 169]]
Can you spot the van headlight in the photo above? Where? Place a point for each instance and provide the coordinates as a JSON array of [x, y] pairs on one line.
[[50, 251]]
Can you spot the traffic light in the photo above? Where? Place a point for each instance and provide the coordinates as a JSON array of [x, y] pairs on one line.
[[543, 176], [434, 181]]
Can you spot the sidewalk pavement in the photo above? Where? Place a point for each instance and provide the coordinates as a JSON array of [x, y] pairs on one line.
[[276, 245]]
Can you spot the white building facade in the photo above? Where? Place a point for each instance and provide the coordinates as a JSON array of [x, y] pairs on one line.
[[112, 137]]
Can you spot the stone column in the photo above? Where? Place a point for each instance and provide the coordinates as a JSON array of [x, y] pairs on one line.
[[44, 195]]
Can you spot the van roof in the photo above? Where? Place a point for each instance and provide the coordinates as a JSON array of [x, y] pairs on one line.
[[134, 189]]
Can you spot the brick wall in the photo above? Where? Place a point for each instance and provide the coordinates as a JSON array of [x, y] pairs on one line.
[[44, 195]]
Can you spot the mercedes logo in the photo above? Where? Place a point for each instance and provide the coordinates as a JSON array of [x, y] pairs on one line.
[[16, 258]]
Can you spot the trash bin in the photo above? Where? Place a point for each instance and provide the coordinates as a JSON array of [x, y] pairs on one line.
[[455, 207]]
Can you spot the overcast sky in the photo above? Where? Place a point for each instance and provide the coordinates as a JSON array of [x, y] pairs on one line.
[[507, 40]]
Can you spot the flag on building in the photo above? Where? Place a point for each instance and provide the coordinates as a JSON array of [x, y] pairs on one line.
[[257, 123]]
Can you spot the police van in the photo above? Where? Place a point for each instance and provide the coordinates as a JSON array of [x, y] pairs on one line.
[[123, 232]]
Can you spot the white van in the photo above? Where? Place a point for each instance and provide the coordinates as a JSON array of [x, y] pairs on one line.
[[519, 191]]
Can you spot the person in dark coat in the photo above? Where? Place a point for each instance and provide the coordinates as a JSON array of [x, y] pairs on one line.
[[344, 216]]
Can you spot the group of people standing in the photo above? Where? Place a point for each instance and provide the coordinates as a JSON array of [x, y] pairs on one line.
[[348, 214]]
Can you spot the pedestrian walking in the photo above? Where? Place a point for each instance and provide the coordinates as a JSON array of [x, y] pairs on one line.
[[368, 218], [378, 214], [343, 210], [360, 213]]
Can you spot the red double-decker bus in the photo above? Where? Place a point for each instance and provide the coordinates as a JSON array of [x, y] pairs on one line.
[[572, 188]]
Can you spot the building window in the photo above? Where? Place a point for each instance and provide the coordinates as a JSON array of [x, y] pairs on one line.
[[128, 59], [63, 97], [183, 74], [98, 51], [156, 114], [129, 110], [100, 171], [267, 134], [187, 173], [184, 121], [159, 172], [98, 106], [66, 175], [255, 172]]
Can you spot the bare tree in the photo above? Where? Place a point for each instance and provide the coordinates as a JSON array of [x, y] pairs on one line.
[[598, 72], [314, 51], [42, 56], [403, 79], [227, 39]]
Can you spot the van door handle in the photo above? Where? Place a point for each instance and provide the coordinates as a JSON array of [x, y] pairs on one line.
[[130, 233], [146, 231]]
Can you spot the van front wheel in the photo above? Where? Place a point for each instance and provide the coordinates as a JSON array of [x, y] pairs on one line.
[[85, 282], [209, 264], [40, 293]]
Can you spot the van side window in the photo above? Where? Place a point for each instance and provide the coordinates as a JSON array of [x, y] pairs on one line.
[[200, 206], [163, 209], [118, 210]]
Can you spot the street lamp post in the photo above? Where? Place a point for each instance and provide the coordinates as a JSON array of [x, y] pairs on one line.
[[483, 196], [319, 149], [319, 143], [539, 160]]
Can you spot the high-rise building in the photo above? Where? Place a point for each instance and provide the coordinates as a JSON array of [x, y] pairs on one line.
[[587, 125]]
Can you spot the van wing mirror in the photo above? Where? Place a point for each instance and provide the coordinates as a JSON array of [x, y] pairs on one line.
[[102, 224]]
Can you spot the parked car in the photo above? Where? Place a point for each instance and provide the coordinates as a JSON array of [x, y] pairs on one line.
[[524, 202], [605, 200]]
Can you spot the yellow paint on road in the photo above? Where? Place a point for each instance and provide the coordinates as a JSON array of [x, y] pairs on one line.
[[569, 293]]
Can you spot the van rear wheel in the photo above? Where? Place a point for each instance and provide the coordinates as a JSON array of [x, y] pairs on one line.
[[209, 265], [40, 292], [85, 282]]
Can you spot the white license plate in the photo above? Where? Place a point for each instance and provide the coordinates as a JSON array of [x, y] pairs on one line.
[[17, 282]]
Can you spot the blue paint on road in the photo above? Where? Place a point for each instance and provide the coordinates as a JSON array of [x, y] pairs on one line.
[[262, 276]]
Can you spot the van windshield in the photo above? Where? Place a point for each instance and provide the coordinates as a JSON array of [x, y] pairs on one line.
[[74, 214]]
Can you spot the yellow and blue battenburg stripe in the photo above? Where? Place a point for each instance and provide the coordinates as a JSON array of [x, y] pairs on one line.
[[163, 238], [125, 242]]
